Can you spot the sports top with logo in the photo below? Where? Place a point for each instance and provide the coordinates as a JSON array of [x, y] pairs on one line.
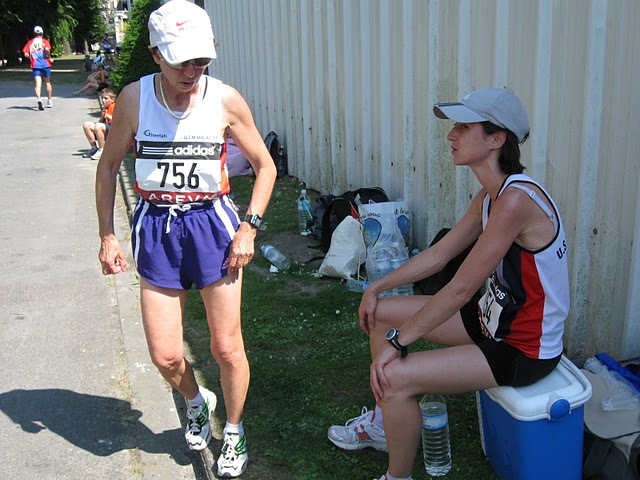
[[527, 297], [181, 162], [37, 49]]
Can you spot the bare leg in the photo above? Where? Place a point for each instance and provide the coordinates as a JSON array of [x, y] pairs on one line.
[[162, 313], [459, 368], [37, 85], [222, 303], [49, 87], [100, 131], [88, 128]]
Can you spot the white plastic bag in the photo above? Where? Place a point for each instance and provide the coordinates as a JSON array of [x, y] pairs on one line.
[[620, 395], [385, 223], [347, 251]]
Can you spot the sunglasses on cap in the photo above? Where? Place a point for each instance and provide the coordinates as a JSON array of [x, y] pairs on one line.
[[197, 62]]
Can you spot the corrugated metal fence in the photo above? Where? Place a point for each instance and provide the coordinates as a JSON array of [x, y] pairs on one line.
[[349, 85]]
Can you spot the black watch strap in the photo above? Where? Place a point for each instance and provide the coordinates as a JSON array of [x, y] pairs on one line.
[[255, 221], [396, 344]]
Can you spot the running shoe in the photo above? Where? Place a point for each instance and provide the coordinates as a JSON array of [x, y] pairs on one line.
[[40, 106], [359, 432], [233, 457], [49, 103], [91, 152], [198, 431], [97, 155]]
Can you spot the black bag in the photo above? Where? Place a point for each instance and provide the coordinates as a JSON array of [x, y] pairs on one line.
[[277, 152], [343, 205], [433, 284], [321, 205]]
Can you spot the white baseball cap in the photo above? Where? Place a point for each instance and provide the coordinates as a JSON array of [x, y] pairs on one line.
[[496, 105], [182, 31], [38, 30]]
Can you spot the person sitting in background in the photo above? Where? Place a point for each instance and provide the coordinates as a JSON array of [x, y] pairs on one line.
[[96, 132], [513, 335], [97, 60], [94, 81], [88, 63]]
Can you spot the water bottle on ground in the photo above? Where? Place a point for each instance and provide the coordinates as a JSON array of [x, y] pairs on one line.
[[357, 286], [305, 217], [276, 257], [436, 447]]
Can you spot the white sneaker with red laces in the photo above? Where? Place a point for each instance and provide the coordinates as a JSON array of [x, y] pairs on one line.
[[359, 432]]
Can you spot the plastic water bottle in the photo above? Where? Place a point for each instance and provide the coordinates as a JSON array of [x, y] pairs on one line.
[[383, 259], [436, 446], [358, 286], [305, 217], [276, 257]]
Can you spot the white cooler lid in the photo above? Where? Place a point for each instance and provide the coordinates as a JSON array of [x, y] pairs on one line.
[[566, 384]]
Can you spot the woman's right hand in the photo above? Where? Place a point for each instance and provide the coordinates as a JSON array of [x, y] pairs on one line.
[[367, 310]]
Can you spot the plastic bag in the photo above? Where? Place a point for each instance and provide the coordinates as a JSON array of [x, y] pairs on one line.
[[621, 394], [385, 223]]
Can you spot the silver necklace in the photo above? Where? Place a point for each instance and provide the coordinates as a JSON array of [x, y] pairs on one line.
[[171, 112]]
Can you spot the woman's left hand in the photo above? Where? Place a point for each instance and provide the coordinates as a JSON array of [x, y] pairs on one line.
[[242, 247], [378, 378]]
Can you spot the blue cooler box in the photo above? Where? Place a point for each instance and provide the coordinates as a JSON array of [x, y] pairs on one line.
[[535, 432]]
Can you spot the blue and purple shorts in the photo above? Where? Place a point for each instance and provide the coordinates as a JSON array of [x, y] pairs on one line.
[[177, 246]]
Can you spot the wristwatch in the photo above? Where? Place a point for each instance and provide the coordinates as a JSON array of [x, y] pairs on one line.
[[392, 337], [255, 221]]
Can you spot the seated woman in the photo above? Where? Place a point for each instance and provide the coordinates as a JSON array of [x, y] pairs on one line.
[[513, 335], [94, 80]]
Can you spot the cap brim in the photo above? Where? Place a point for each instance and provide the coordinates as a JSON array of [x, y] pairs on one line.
[[457, 112], [186, 49]]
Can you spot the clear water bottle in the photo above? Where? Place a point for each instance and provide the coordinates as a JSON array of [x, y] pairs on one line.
[[378, 264], [357, 286], [436, 446], [305, 217], [383, 259], [399, 256], [276, 257]]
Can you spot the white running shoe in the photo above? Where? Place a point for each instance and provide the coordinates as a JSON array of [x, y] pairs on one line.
[[49, 103], [198, 431], [359, 432], [97, 155], [233, 457]]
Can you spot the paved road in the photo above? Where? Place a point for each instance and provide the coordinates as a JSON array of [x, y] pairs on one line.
[[79, 398]]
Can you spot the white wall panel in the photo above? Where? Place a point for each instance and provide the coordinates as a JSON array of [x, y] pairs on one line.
[[349, 85]]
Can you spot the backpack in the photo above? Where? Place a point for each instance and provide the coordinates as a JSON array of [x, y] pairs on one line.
[[277, 152], [343, 205], [433, 284]]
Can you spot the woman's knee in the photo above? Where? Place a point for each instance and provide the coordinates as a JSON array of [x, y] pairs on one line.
[[228, 351], [167, 362]]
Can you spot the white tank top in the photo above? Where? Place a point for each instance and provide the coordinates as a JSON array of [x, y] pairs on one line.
[[181, 161]]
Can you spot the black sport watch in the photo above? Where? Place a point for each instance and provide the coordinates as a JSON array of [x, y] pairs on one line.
[[392, 337], [255, 221]]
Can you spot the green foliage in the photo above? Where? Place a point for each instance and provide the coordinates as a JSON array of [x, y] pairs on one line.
[[135, 59], [62, 28]]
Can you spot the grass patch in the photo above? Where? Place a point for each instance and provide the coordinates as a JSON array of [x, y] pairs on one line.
[[309, 367]]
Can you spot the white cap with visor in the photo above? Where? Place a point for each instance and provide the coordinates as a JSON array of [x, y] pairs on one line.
[[182, 31], [496, 105]]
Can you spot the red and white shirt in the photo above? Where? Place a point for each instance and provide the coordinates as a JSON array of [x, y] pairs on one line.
[[527, 297]]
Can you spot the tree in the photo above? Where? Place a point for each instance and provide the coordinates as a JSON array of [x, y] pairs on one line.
[[135, 60]]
